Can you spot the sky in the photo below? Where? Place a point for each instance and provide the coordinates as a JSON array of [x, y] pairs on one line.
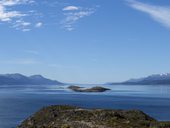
[[85, 41]]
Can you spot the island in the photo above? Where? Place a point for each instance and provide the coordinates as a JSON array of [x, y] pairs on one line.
[[93, 89], [75, 117]]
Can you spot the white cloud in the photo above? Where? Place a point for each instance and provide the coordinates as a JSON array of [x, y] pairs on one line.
[[72, 17], [21, 61], [15, 2], [22, 25], [29, 17], [8, 15], [160, 14], [11, 16], [39, 24], [70, 8]]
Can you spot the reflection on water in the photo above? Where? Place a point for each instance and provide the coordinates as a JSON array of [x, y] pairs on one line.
[[18, 102]]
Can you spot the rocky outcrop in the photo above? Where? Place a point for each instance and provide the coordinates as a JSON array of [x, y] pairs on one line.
[[74, 117], [93, 89]]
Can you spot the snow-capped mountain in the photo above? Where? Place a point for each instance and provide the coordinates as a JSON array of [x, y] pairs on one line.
[[159, 77], [156, 79]]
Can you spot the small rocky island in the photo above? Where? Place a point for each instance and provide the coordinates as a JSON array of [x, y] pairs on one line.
[[74, 117], [93, 89]]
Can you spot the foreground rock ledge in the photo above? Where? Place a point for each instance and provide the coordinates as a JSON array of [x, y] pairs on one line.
[[74, 117]]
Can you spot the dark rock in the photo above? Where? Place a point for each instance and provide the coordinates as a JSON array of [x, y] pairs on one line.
[[93, 89]]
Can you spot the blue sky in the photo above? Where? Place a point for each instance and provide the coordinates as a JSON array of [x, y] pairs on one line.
[[85, 41]]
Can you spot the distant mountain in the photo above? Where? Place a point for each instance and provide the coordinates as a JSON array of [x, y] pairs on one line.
[[19, 79], [157, 79]]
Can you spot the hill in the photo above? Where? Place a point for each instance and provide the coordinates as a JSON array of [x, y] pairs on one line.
[[19, 79]]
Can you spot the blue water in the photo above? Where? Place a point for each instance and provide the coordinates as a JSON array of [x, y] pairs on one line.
[[19, 102]]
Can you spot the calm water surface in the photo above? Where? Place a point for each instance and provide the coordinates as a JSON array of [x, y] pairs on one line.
[[19, 102]]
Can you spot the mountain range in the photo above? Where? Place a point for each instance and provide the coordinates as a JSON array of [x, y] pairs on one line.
[[19, 79], [156, 79]]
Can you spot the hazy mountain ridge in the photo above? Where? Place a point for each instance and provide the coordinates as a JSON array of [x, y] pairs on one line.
[[155, 79], [19, 79]]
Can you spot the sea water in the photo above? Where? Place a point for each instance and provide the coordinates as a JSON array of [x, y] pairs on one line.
[[19, 102]]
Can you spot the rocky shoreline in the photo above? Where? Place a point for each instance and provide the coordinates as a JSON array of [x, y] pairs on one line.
[[75, 117]]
